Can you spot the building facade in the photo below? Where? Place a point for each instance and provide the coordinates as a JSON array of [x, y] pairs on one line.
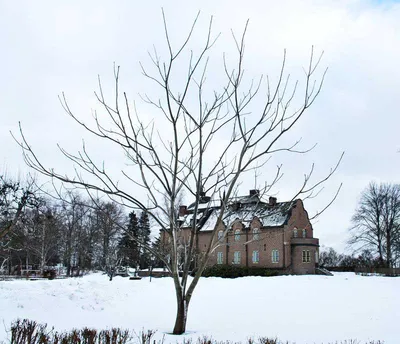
[[273, 235]]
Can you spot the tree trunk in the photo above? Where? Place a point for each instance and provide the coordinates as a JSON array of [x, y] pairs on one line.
[[388, 250], [181, 316], [42, 251], [68, 254]]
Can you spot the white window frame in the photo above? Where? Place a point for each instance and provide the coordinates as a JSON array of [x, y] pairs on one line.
[[306, 256], [237, 235], [256, 233], [220, 234], [256, 257], [295, 233], [220, 257], [236, 257], [275, 256]]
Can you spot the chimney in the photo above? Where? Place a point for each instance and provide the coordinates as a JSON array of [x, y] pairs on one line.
[[182, 210], [205, 199], [254, 192], [235, 206], [272, 201]]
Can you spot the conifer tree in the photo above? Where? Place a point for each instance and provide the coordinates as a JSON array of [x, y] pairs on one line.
[[157, 247], [144, 237], [128, 248]]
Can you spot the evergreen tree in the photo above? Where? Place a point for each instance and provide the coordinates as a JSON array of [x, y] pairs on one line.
[[128, 248], [144, 237], [156, 245]]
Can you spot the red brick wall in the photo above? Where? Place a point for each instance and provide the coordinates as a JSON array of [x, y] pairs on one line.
[[298, 267], [299, 219], [290, 256]]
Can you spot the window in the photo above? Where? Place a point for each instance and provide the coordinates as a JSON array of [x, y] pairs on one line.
[[306, 256], [220, 235], [256, 257], [265, 247], [256, 234], [295, 233], [275, 256], [220, 257], [304, 233], [236, 257], [237, 235]]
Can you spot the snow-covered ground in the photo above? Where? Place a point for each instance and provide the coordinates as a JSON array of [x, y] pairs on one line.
[[304, 309]]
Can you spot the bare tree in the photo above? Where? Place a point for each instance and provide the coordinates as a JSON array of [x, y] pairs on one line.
[[75, 212], [41, 231], [14, 197], [329, 258], [376, 222], [200, 141], [110, 221]]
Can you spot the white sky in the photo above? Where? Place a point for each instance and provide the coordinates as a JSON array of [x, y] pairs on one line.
[[48, 47]]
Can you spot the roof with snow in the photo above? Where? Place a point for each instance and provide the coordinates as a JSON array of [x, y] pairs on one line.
[[244, 209]]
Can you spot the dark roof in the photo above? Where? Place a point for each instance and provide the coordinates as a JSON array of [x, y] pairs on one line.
[[244, 209]]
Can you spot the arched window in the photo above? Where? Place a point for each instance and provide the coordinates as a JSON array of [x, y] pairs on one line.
[[304, 233], [256, 234], [295, 233], [237, 235], [220, 234]]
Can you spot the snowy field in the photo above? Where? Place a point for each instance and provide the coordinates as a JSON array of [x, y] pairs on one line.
[[304, 309]]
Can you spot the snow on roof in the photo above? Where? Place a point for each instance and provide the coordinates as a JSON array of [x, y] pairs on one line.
[[188, 219], [244, 209], [205, 204], [211, 221]]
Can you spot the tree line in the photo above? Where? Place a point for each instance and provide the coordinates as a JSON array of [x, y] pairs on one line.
[[376, 224], [38, 231], [331, 259]]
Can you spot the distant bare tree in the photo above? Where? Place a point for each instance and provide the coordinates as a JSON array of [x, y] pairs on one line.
[[200, 141], [75, 211], [111, 220], [14, 197], [329, 258], [41, 234], [376, 222]]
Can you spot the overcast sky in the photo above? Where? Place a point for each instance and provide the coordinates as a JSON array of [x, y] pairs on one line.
[[48, 47]]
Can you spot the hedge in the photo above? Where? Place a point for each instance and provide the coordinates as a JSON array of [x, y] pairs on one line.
[[230, 271]]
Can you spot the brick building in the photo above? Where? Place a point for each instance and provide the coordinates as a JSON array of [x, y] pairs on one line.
[[274, 235]]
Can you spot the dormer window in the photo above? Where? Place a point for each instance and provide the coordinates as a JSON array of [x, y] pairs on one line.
[[304, 233], [256, 234], [237, 235]]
